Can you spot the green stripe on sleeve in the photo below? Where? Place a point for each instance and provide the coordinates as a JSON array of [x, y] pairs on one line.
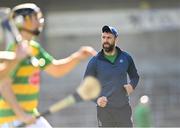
[[44, 58]]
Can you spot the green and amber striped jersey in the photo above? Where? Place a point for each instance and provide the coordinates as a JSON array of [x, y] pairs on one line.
[[26, 81]]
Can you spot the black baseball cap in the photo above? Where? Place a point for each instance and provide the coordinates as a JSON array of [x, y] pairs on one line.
[[110, 29]]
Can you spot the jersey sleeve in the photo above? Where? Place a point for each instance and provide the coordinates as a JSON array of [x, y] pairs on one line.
[[43, 57]]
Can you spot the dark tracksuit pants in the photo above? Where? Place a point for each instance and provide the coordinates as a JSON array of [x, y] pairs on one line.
[[114, 117]]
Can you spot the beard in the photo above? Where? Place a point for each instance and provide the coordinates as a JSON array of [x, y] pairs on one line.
[[108, 47]]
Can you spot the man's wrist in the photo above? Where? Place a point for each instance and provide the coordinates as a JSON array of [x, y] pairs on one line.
[[76, 56]]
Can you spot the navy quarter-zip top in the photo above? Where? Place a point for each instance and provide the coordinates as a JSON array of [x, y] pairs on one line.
[[113, 76]]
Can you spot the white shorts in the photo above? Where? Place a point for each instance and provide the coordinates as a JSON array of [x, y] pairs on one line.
[[40, 123]]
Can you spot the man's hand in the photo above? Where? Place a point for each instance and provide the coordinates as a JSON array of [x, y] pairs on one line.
[[102, 101], [26, 118], [129, 88], [22, 50], [85, 52]]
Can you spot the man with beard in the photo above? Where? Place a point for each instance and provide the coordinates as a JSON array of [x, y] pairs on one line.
[[19, 102], [111, 66]]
